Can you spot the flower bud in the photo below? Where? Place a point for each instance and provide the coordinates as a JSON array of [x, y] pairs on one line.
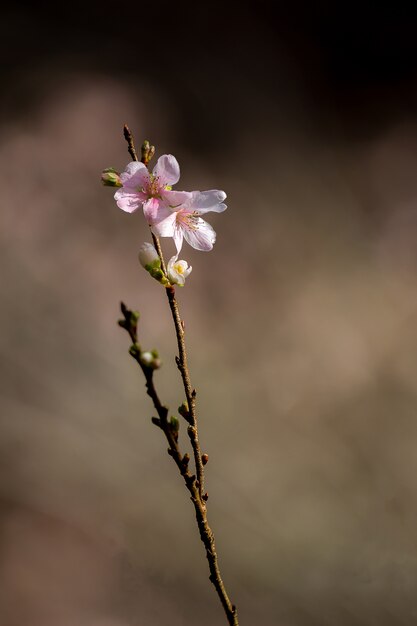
[[151, 360], [111, 178], [148, 257], [174, 423], [178, 271], [147, 152]]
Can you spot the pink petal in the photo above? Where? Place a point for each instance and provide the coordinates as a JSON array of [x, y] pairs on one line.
[[165, 227], [205, 201], [202, 238], [150, 210], [167, 169], [177, 199], [127, 200], [135, 175], [178, 238], [159, 211]]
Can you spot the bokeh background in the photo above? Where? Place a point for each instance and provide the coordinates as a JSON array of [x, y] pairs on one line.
[[301, 324]]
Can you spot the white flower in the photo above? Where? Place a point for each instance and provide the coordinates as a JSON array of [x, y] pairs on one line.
[[178, 271]]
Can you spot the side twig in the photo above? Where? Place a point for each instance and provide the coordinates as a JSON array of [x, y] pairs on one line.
[[170, 430]]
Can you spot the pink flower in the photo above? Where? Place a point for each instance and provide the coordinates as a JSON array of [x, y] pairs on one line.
[[170, 213], [185, 221], [153, 191]]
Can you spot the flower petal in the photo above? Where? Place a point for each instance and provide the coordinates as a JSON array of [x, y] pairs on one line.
[[150, 210], [167, 169], [135, 175], [165, 227], [127, 200], [178, 271], [205, 201], [202, 237], [178, 237], [178, 199]]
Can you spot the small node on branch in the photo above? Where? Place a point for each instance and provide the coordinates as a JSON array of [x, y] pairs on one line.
[[185, 459], [204, 459], [191, 432], [134, 351], [193, 393], [130, 321], [205, 496], [184, 412], [174, 426]]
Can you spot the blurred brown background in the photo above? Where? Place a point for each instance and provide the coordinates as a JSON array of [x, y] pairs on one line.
[[301, 324]]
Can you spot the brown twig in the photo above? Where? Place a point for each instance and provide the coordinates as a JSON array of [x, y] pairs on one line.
[[190, 392], [182, 462], [130, 143]]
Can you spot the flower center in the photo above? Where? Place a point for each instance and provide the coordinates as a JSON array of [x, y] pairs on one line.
[[152, 187], [179, 268], [188, 220]]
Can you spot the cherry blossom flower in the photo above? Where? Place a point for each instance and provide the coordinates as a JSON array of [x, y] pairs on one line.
[[175, 214], [178, 271], [185, 221], [153, 191]]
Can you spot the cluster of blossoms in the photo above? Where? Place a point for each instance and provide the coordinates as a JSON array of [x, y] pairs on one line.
[[169, 213]]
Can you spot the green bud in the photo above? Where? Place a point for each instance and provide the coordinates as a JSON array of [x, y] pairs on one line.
[[134, 350], [111, 178], [148, 152], [184, 411], [174, 423]]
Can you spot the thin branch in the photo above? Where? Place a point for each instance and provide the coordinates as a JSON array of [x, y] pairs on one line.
[[182, 461], [158, 248], [190, 392]]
